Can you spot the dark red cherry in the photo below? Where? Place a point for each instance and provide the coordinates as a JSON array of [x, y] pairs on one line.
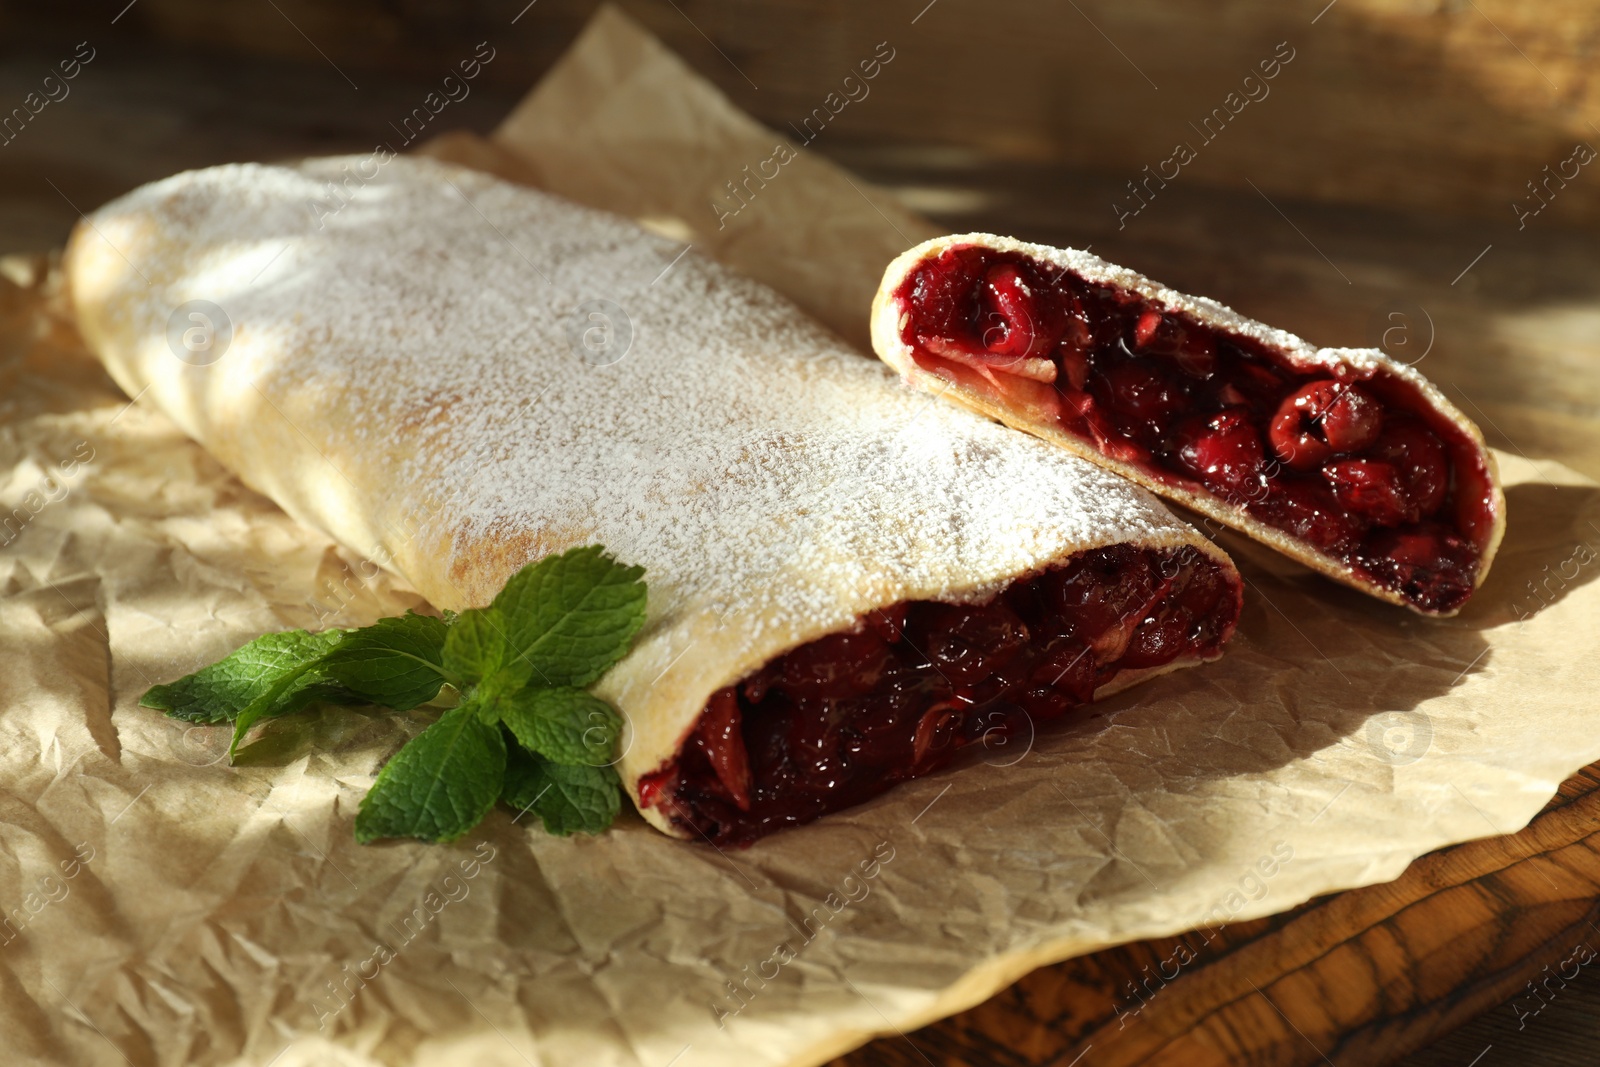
[[1140, 394], [1370, 488], [720, 738], [969, 642], [1322, 418], [1420, 458], [836, 666], [1310, 512], [1224, 452], [1085, 416], [1067, 666], [1012, 326], [1428, 563], [1194, 351]]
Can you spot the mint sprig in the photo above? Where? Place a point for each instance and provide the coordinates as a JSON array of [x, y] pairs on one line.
[[569, 799], [441, 784], [521, 729]]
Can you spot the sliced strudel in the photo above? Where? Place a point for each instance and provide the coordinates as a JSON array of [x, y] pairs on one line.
[[454, 375], [1342, 458]]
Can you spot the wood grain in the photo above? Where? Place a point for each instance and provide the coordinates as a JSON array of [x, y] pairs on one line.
[[1356, 978]]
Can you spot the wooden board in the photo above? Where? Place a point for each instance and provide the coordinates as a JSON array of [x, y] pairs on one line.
[[1355, 978]]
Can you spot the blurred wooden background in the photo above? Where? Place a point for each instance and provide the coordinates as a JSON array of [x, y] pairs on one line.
[[1371, 196], [1431, 105]]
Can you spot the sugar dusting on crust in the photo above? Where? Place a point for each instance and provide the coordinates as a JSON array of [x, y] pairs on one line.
[[752, 462], [408, 373]]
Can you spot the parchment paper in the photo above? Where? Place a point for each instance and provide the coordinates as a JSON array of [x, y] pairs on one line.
[[162, 907]]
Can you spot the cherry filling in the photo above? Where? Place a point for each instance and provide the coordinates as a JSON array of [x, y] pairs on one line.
[[841, 719], [1355, 462]]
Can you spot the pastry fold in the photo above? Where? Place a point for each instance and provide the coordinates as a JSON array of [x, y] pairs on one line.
[[454, 376], [1344, 459]]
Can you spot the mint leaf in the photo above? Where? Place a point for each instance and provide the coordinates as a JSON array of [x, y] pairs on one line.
[[562, 621], [441, 784], [570, 617], [568, 799], [476, 650], [565, 725], [273, 665], [396, 663]]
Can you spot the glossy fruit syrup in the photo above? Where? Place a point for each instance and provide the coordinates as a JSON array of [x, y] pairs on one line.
[[1355, 463], [839, 720]]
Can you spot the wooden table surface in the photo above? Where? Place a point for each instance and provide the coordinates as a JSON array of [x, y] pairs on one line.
[[1370, 976]]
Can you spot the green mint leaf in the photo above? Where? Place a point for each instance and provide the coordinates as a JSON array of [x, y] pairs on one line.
[[568, 799], [220, 692], [441, 784], [572, 616], [564, 725], [395, 663], [476, 650]]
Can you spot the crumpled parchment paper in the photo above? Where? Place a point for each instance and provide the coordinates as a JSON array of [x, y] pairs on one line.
[[162, 907]]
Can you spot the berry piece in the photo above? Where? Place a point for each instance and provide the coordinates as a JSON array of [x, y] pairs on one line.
[[1420, 458], [969, 642], [935, 732], [1224, 452], [1430, 564], [1085, 417], [720, 739], [1194, 351], [1142, 399], [1369, 487], [1012, 326], [836, 666], [1322, 418], [1310, 512]]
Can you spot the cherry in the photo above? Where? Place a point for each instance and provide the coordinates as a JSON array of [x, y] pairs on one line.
[[1072, 357], [1014, 325], [839, 665], [1307, 511], [1067, 665], [719, 737], [1430, 563], [815, 743], [1420, 458], [1083, 414], [1195, 352], [1322, 418], [969, 642], [1224, 452], [1143, 396], [1369, 487]]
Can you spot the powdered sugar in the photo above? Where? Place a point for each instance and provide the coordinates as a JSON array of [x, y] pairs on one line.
[[753, 463]]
